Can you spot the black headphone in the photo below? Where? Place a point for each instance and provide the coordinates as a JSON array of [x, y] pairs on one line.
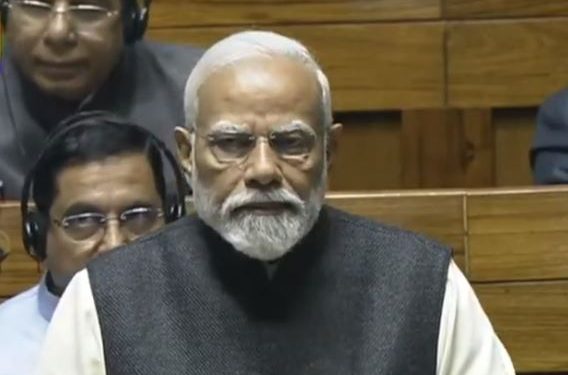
[[34, 223], [134, 18]]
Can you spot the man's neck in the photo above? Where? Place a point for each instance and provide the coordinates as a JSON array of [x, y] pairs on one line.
[[271, 268], [52, 287]]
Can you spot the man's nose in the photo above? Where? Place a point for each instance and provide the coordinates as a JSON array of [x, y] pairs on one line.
[[113, 237], [60, 34], [262, 169]]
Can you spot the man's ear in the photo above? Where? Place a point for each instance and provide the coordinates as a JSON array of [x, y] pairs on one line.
[[184, 143], [332, 143]]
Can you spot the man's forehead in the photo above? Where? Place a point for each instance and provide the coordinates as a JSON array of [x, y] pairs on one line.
[[126, 176], [271, 84], [97, 169], [255, 68]]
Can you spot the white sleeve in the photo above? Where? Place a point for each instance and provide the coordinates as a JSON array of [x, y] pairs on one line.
[[73, 344], [467, 344]]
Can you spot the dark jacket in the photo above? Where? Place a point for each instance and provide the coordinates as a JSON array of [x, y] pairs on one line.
[[354, 297], [145, 88], [549, 152]]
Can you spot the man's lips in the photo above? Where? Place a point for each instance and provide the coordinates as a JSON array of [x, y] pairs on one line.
[[60, 69], [264, 208]]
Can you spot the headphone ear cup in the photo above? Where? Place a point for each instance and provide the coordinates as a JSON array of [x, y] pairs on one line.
[[143, 17], [3, 13], [128, 20], [35, 231], [173, 213], [135, 20]]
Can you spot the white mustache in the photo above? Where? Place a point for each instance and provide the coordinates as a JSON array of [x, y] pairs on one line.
[[248, 197]]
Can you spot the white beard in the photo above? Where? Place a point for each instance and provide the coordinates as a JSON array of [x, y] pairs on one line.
[[262, 237]]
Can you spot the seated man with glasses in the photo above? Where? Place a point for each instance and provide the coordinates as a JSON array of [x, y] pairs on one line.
[[65, 56], [95, 187]]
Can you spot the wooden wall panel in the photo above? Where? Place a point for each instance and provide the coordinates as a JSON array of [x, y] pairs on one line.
[[190, 13], [517, 236], [399, 55], [517, 211], [363, 74], [457, 59], [447, 148], [18, 271], [514, 132], [530, 319], [518, 256], [506, 63], [504, 8], [369, 154]]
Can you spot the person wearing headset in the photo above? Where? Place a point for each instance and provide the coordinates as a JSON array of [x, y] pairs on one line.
[[97, 185], [65, 56]]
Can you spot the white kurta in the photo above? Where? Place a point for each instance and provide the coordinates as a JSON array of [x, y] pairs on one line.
[[23, 324], [467, 344]]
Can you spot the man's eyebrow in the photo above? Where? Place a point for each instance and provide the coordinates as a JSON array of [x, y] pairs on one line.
[[137, 204], [80, 208], [296, 125], [228, 127]]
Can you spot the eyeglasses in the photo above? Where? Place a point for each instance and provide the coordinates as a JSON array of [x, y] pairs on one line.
[[135, 222], [235, 147], [86, 14]]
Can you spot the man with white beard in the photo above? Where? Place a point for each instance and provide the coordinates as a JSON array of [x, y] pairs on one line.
[[266, 279]]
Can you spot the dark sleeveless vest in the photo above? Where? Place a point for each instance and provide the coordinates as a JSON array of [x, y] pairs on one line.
[[354, 297]]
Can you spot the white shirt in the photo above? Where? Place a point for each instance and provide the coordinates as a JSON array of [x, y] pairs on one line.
[[467, 344], [23, 325]]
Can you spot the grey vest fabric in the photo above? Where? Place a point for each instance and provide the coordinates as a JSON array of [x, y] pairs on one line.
[[355, 297], [145, 88]]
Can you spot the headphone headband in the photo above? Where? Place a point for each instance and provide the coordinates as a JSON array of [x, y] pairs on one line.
[[33, 224]]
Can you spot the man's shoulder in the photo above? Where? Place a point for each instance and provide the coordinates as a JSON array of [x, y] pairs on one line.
[[155, 245], [147, 257], [378, 233], [557, 97], [17, 312], [180, 58], [556, 104], [170, 49], [20, 335], [15, 304]]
